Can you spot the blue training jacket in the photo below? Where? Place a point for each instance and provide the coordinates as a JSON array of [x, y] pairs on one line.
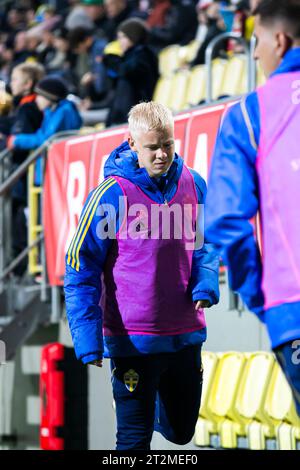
[[63, 117], [83, 287], [233, 199]]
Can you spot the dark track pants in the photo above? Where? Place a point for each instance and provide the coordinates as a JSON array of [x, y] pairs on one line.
[[160, 392]]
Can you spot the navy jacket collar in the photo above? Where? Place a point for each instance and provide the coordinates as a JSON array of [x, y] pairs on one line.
[[290, 62]]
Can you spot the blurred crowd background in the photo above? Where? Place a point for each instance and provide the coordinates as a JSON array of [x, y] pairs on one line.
[[106, 50]]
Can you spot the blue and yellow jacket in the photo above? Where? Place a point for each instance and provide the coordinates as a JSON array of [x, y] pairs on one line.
[[83, 279]]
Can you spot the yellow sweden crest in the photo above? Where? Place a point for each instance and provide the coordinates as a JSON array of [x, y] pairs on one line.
[[131, 379]]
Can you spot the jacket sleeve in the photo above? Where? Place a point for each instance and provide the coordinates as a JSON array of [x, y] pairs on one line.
[[205, 265], [232, 202], [48, 128], [85, 260]]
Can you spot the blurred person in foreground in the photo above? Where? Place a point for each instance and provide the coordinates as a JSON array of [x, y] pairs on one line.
[[256, 170]]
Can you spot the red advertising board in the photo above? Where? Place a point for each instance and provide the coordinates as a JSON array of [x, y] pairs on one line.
[[201, 135], [65, 190], [103, 145], [75, 167]]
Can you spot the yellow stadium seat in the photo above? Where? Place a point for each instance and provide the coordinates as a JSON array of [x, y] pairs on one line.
[[235, 76], [279, 400], [288, 437], [195, 91], [281, 409], [192, 49], [218, 73], [249, 409], [187, 53], [169, 60], [223, 394], [162, 92], [249, 27], [178, 90], [205, 425], [100, 126], [87, 130]]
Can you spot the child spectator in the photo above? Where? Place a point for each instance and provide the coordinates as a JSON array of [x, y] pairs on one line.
[[89, 70], [26, 118], [60, 114]]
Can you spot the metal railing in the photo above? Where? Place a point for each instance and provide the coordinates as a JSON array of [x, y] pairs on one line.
[[36, 244], [249, 50]]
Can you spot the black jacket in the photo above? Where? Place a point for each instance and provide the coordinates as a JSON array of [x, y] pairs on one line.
[[137, 77], [180, 25], [26, 120]]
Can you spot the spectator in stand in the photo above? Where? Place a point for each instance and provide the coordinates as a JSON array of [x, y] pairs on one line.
[[26, 118], [96, 11], [117, 11], [157, 15], [180, 25], [209, 16], [89, 70], [138, 70], [15, 20], [88, 14], [6, 56], [77, 17], [21, 49], [61, 61], [60, 114]]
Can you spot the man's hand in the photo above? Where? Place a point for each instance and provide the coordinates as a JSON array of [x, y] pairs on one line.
[[97, 363], [202, 304]]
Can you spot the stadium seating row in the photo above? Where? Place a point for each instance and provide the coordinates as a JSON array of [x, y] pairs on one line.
[[179, 89], [246, 403]]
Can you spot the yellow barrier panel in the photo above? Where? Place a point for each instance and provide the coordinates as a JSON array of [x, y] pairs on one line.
[[34, 225]]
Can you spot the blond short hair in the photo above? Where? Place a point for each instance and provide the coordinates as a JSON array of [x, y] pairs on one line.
[[149, 116], [31, 71]]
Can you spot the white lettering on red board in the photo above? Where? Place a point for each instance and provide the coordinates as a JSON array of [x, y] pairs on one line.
[[178, 146], [201, 156], [101, 173], [76, 194]]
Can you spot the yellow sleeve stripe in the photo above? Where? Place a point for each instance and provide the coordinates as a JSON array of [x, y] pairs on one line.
[[83, 218], [71, 251], [89, 223]]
